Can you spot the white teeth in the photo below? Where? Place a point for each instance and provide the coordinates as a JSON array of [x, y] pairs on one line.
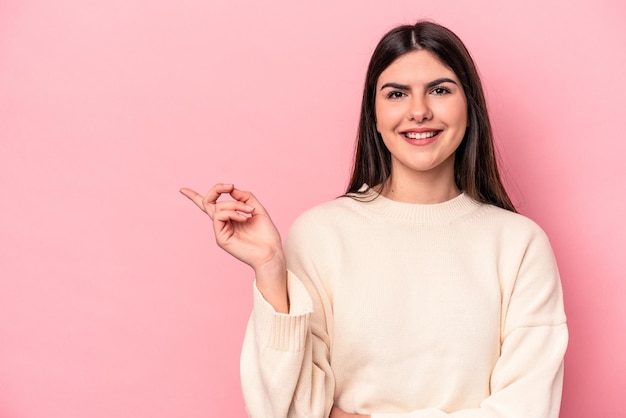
[[424, 135]]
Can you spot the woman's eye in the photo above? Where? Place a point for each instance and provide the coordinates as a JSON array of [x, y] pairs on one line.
[[395, 95], [440, 91]]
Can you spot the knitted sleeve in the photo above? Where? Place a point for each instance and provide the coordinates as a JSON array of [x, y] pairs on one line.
[[285, 365], [527, 379]]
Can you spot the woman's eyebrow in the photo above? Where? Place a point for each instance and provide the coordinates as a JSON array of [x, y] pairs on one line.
[[440, 81], [395, 86], [405, 87]]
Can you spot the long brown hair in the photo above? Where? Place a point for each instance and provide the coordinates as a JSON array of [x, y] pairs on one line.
[[475, 163]]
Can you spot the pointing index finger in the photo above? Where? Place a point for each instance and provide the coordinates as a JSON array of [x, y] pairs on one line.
[[194, 196]]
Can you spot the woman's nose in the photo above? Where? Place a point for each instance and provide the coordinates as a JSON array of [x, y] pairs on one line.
[[419, 110]]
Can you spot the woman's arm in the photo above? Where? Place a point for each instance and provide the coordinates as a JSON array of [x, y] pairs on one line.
[[526, 381], [285, 367]]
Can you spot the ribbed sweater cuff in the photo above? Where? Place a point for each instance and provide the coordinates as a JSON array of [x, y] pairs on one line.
[[283, 332]]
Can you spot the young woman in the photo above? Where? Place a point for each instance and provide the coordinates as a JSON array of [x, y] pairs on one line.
[[421, 293]]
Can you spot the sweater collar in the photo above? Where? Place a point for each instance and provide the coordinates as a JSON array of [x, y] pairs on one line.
[[438, 213]]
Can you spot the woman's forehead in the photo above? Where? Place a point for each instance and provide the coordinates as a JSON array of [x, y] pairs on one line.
[[419, 65]]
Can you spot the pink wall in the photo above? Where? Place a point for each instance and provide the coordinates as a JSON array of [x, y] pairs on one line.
[[115, 301]]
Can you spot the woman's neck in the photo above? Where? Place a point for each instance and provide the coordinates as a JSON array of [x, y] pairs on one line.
[[420, 189]]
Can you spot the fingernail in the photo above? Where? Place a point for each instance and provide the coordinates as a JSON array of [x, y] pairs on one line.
[[250, 208]]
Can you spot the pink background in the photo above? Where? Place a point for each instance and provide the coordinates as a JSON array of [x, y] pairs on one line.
[[114, 299]]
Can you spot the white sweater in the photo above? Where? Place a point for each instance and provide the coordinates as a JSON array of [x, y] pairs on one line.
[[403, 310]]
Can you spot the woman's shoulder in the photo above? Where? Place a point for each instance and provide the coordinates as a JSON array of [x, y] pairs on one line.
[[512, 223], [327, 213], [318, 230]]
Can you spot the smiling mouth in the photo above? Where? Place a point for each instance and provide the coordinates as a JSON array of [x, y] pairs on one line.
[[420, 135]]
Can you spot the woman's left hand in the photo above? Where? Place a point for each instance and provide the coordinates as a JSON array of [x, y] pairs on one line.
[[338, 413]]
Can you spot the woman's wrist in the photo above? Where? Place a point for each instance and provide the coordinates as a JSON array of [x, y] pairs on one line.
[[271, 280]]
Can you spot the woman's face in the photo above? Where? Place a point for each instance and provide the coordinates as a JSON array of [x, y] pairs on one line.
[[421, 114]]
